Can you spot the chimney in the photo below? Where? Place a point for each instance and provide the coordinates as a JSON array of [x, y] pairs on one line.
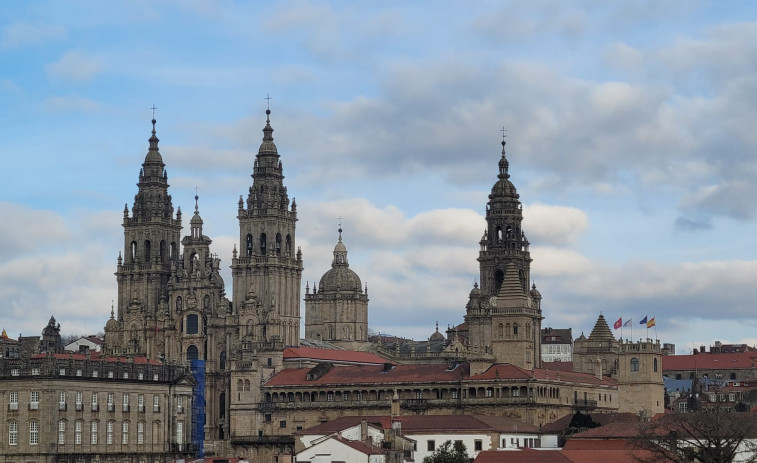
[[364, 431], [395, 404]]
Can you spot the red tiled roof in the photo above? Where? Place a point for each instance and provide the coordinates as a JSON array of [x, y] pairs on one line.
[[602, 418], [360, 446], [508, 371], [372, 374], [603, 456], [618, 430], [557, 366], [427, 423], [521, 456], [315, 353], [739, 361]]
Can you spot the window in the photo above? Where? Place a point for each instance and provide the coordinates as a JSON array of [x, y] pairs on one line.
[[111, 402], [179, 404], [95, 374], [12, 433], [126, 375], [179, 432], [79, 400], [34, 402], [35, 372], [156, 403], [78, 372], [141, 432], [13, 403], [33, 432], [125, 432], [94, 402], [430, 445], [329, 397], [109, 432], [61, 432], [62, 400], [192, 324], [126, 403], [93, 433], [282, 424], [192, 353], [15, 372], [654, 365], [477, 445], [62, 371], [634, 364], [141, 403], [454, 394], [77, 432]]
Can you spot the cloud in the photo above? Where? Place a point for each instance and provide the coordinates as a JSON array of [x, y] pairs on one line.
[[691, 225], [554, 225], [75, 66], [70, 103], [25, 229], [22, 33]]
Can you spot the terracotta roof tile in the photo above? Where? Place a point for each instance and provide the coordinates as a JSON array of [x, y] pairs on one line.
[[521, 456], [739, 361], [372, 374], [602, 418], [335, 355], [508, 371], [427, 423]]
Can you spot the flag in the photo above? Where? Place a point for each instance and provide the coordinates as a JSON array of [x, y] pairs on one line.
[[643, 321], [628, 322], [650, 323], [618, 323]]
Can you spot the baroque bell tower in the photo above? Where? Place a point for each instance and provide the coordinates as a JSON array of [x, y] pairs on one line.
[[267, 269], [503, 315], [151, 244]]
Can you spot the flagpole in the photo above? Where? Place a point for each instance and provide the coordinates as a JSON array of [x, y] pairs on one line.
[[655, 329]]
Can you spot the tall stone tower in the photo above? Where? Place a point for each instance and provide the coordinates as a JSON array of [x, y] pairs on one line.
[[151, 247], [337, 309], [267, 270], [503, 315]]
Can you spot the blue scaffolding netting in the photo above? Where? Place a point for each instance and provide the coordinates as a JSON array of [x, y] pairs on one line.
[[198, 407]]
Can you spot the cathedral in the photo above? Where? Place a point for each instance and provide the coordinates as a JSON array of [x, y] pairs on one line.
[[261, 382]]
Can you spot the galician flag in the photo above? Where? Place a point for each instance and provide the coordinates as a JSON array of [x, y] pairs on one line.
[[628, 322]]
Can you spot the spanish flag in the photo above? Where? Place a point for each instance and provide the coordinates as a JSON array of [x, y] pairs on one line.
[[650, 323]]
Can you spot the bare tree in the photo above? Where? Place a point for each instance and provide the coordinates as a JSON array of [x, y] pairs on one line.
[[710, 433]]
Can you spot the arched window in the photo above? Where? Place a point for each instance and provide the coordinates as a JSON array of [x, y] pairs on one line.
[[515, 330], [192, 353], [179, 304], [499, 234], [148, 250], [246, 385], [222, 360], [93, 432], [499, 277], [240, 385], [501, 331], [125, 432], [509, 232], [162, 251], [634, 364], [192, 324], [222, 405], [172, 255], [288, 245], [654, 365], [522, 278], [331, 332], [262, 244], [206, 302], [508, 330], [249, 245], [133, 251], [278, 244]]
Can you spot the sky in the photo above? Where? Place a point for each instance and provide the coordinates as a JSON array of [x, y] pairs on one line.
[[630, 134]]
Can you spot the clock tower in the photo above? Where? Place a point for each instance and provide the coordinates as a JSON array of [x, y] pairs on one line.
[[503, 314]]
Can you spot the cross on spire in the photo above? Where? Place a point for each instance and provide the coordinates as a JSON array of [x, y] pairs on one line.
[[153, 110], [196, 198], [268, 101], [503, 130]]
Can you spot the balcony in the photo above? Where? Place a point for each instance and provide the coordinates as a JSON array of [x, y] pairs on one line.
[[79, 407], [62, 406], [585, 405], [13, 406], [34, 406], [415, 404], [95, 408], [268, 407], [183, 448]]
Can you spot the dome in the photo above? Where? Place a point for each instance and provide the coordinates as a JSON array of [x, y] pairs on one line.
[[437, 336], [153, 155], [340, 278], [504, 187], [111, 325]]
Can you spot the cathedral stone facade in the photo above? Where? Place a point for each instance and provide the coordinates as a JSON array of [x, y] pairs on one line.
[[173, 307]]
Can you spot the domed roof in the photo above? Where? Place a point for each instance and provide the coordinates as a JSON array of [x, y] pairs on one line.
[[111, 325], [503, 187], [268, 146], [340, 277], [436, 336], [153, 155]]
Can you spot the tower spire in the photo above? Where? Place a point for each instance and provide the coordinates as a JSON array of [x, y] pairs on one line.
[[503, 164]]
